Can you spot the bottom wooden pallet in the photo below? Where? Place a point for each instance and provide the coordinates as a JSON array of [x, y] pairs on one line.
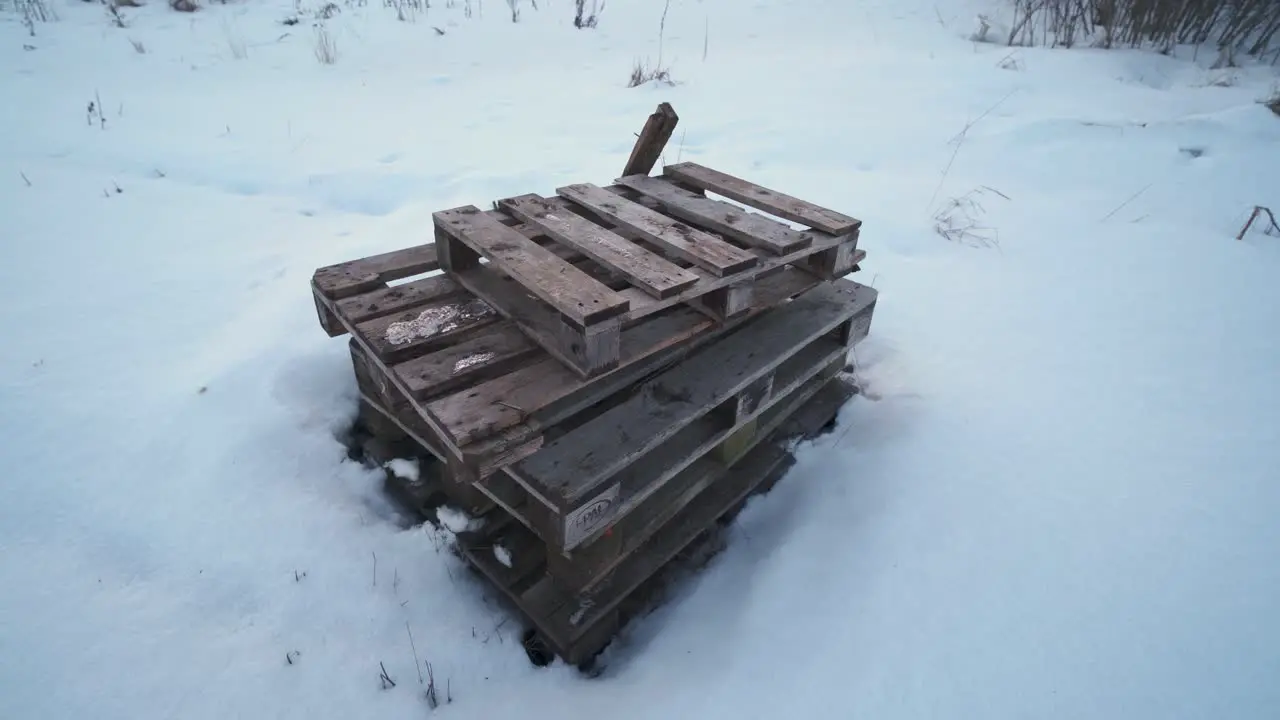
[[576, 627]]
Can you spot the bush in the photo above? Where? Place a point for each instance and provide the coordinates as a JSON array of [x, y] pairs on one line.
[[1250, 27]]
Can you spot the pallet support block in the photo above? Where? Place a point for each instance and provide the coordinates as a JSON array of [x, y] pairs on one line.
[[725, 303], [834, 262], [589, 349]]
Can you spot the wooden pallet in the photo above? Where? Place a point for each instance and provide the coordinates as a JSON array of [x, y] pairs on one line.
[[577, 484], [660, 244], [484, 390], [652, 445], [578, 624]]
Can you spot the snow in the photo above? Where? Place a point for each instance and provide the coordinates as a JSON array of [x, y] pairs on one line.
[[456, 520], [403, 468], [502, 555], [1057, 499]]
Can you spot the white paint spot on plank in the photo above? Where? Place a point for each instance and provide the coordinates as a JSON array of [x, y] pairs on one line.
[[436, 320], [473, 359]]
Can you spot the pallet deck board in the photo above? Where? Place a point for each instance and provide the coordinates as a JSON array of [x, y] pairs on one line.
[[762, 198], [388, 300], [574, 465], [357, 276], [472, 415], [730, 220], [426, 326], [571, 292], [652, 273], [698, 247], [810, 257], [588, 566], [498, 348], [647, 483]]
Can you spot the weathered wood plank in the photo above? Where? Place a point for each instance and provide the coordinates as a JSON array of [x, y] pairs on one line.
[[700, 248], [329, 322], [357, 276], [402, 335], [762, 198], [572, 619], [730, 220], [652, 273], [470, 361], [574, 465], [634, 486], [588, 351], [573, 293], [639, 518], [653, 138], [703, 294], [388, 300], [543, 393]]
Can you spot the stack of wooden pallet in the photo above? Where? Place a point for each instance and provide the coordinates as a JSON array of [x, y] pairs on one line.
[[601, 375]]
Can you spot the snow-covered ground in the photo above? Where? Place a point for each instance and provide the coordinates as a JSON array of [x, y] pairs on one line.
[[1062, 503]]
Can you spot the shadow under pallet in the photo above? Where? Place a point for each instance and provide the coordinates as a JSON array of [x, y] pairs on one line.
[[576, 625]]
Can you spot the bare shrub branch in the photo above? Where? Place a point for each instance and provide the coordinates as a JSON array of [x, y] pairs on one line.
[[1233, 27], [959, 220], [326, 48]]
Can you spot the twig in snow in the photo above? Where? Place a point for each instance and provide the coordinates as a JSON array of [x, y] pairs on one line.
[[1257, 211], [432, 701], [416, 663], [387, 682], [395, 582], [959, 140], [375, 567], [1126, 202], [25, 179], [706, 36]]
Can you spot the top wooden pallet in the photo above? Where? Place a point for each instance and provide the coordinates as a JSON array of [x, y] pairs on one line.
[[485, 362], [662, 238]]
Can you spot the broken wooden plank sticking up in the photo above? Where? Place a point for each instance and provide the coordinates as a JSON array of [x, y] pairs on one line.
[[688, 243], [730, 220], [652, 273], [574, 294], [762, 198], [653, 138]]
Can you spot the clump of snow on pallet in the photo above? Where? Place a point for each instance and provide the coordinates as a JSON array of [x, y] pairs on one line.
[[502, 555], [405, 469], [436, 320], [456, 520], [473, 359]]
